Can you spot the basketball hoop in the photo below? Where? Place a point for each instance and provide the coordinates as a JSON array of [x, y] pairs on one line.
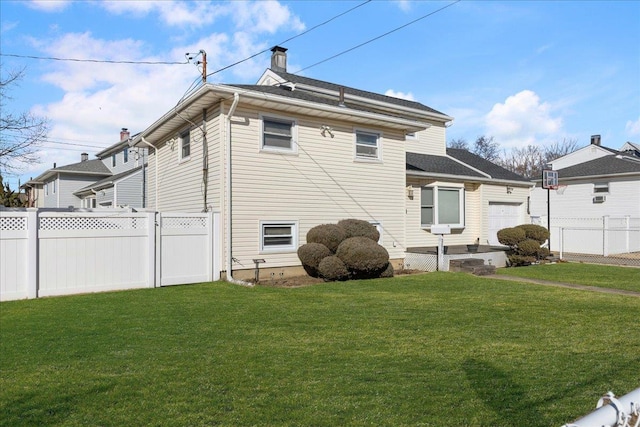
[[560, 188]]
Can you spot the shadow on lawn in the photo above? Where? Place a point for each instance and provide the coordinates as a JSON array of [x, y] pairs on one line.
[[507, 399], [46, 408]]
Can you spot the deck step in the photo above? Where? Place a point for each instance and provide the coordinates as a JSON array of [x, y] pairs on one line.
[[471, 265]]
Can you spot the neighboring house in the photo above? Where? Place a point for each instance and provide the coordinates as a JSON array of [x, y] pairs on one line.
[[115, 178], [34, 192], [595, 182], [282, 156]]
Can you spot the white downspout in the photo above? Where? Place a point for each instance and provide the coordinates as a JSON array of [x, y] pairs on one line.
[[228, 231], [157, 161]]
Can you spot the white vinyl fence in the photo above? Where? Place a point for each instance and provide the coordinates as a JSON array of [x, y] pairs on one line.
[[57, 252], [607, 239]]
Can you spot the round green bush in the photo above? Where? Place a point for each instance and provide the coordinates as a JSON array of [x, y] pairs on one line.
[[516, 260], [528, 247], [359, 228], [535, 232], [543, 253], [387, 272], [511, 236], [329, 235], [311, 254], [363, 256], [332, 268]]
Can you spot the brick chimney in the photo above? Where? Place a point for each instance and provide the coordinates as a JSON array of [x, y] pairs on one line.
[[595, 139], [124, 134], [279, 59], [84, 157]]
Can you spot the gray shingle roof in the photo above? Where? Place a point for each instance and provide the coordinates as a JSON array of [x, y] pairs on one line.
[[293, 78], [438, 165], [607, 165], [89, 166], [108, 181], [484, 165]]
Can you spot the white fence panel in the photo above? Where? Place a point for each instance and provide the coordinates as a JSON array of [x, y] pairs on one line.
[[14, 255], [92, 252], [186, 248]]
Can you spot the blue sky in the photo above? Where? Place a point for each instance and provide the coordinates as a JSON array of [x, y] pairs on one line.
[[525, 72]]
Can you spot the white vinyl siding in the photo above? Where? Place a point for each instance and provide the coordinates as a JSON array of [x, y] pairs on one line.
[[180, 185], [429, 141]]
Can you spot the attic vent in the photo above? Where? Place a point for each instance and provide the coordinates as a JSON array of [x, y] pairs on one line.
[[289, 85]]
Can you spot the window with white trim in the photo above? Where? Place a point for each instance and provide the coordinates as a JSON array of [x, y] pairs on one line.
[[442, 205], [54, 186], [46, 189], [601, 188], [125, 155], [367, 145], [278, 134], [185, 145], [113, 160], [278, 236]]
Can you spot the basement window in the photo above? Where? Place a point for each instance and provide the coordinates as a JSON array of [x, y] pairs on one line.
[[278, 236]]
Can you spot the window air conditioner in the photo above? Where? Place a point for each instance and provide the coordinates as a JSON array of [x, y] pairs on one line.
[[599, 199]]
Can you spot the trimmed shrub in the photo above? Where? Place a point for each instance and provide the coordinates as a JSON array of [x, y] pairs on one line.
[[359, 228], [516, 260], [543, 253], [528, 247], [511, 236], [332, 268], [329, 235], [311, 254], [362, 256], [387, 272], [536, 232]]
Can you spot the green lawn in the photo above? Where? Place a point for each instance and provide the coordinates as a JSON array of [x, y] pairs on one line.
[[604, 276], [438, 349]]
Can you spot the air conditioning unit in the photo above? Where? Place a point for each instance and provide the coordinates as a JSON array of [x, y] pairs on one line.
[[599, 199]]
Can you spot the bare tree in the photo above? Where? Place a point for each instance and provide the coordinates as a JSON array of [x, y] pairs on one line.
[[459, 143], [527, 161], [21, 133], [559, 149], [487, 148]]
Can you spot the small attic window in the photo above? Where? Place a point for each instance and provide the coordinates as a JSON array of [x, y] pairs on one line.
[[601, 188]]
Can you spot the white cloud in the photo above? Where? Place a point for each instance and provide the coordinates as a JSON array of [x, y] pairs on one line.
[[633, 127], [408, 96], [265, 16], [173, 13], [49, 5], [522, 120], [404, 5]]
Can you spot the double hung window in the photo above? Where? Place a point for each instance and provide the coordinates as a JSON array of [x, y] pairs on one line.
[[185, 145], [367, 145]]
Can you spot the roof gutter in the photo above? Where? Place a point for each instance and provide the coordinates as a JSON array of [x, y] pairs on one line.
[[228, 193], [465, 178]]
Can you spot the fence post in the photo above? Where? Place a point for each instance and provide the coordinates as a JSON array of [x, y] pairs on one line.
[[561, 239], [151, 249], [215, 237], [605, 235], [157, 230], [32, 253]]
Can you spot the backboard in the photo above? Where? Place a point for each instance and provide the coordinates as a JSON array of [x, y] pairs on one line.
[[549, 179]]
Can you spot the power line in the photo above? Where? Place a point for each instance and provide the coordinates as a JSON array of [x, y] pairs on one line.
[[99, 61], [291, 38], [378, 37]]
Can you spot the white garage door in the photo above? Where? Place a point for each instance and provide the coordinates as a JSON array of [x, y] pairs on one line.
[[502, 215]]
